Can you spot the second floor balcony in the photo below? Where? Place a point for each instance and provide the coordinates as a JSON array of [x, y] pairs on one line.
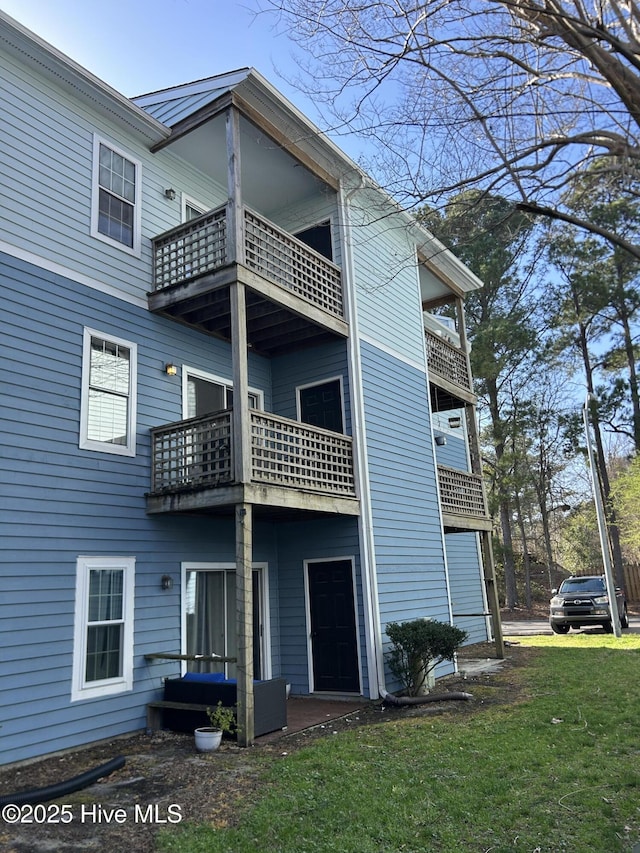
[[294, 293], [294, 466]]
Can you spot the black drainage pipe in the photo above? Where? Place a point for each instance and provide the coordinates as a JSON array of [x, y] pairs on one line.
[[52, 792], [421, 700]]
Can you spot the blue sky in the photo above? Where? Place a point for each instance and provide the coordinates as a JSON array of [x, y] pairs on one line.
[[139, 46]]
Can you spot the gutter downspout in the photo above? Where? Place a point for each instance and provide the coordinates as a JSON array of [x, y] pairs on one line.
[[373, 628], [390, 699]]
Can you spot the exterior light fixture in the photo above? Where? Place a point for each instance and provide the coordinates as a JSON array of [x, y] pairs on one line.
[[166, 582], [454, 423], [170, 369], [441, 440], [170, 194]]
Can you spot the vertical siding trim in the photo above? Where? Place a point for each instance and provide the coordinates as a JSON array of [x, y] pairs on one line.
[[483, 588], [371, 607], [435, 459]]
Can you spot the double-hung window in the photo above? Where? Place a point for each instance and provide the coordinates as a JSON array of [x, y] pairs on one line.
[[108, 406], [116, 197], [103, 646]]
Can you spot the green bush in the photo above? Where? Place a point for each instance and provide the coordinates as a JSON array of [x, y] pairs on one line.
[[419, 646]]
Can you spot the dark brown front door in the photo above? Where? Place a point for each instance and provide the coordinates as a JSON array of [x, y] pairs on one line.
[[333, 627]]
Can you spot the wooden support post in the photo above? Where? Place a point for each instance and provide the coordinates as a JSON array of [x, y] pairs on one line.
[[492, 591], [241, 414], [235, 225], [476, 466], [461, 327], [244, 621]]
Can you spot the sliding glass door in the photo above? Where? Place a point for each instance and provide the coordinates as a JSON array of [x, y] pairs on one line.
[[210, 618]]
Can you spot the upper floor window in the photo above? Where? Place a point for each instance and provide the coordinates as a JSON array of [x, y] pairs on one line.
[[204, 394], [191, 209], [116, 197], [108, 405]]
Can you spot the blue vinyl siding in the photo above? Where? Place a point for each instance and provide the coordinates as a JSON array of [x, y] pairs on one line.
[[463, 555], [58, 502], [46, 139], [453, 454], [407, 531], [290, 371], [297, 217], [386, 279], [465, 582]]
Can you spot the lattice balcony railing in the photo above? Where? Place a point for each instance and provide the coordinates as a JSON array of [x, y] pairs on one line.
[[447, 361], [192, 453], [198, 452], [191, 250], [287, 260], [201, 246], [288, 453], [461, 493]]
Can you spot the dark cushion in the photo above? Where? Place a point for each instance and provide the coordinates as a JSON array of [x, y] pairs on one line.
[[270, 703]]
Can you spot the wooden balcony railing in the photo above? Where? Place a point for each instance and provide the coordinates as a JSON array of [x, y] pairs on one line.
[[198, 453], [461, 493], [288, 453], [287, 260], [447, 361], [200, 246], [190, 250], [192, 453]]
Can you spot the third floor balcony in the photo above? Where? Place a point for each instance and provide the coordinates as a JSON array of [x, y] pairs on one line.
[[448, 370], [294, 294]]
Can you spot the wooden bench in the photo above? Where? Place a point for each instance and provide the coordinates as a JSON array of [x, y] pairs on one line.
[[155, 711]]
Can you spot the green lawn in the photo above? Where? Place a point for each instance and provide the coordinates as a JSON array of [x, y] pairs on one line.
[[559, 771]]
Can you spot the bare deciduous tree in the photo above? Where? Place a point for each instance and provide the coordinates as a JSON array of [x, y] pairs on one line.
[[512, 96]]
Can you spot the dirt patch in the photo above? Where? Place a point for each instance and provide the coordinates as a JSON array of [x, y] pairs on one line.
[[165, 782]]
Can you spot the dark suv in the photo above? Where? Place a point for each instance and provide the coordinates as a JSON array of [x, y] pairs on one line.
[[582, 601]]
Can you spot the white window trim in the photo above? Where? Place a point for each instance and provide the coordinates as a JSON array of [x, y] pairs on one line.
[[192, 202], [95, 193], [80, 688], [325, 381], [265, 615], [128, 449], [218, 380]]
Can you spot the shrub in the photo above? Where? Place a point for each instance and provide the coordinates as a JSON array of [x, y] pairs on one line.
[[417, 647]]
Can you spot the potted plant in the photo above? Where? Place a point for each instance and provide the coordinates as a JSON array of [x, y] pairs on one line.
[[221, 719]]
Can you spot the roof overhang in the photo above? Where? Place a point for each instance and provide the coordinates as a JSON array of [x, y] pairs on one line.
[[27, 46], [262, 104]]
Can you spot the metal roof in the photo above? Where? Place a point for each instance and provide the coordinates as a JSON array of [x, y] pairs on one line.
[[171, 106]]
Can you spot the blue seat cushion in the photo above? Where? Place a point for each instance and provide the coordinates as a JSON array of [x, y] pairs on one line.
[[209, 677]]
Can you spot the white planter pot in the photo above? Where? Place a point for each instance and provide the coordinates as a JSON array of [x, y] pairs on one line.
[[207, 739]]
